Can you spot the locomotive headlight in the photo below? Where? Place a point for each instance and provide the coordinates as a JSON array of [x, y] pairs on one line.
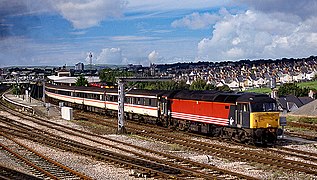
[[269, 125]]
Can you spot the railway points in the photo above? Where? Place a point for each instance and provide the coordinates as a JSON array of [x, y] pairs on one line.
[[309, 170]]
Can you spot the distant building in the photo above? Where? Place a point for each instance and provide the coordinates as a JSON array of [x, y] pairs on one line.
[[79, 66], [63, 73], [70, 81]]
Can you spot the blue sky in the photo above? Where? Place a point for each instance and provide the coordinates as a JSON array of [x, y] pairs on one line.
[[58, 32]]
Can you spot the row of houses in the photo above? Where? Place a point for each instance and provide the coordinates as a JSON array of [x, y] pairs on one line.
[[243, 76]]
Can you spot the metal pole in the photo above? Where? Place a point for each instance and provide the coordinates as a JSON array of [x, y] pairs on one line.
[[121, 95], [43, 97], [121, 127]]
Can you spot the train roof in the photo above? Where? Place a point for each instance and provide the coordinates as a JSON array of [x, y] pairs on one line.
[[255, 98], [107, 90], [213, 96], [219, 96], [78, 88]]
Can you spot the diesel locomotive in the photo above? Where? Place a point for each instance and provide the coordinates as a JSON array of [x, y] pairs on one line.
[[244, 117]]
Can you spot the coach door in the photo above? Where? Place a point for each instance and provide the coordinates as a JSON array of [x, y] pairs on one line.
[[242, 114]]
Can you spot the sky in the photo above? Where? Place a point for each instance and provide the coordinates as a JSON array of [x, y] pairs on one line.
[[120, 32]]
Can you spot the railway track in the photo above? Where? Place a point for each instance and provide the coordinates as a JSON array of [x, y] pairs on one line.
[[220, 151], [313, 127], [302, 135], [41, 166], [184, 167], [263, 157], [7, 174], [302, 125]]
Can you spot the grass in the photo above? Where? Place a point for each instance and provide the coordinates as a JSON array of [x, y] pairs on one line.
[[309, 120], [310, 85], [260, 90], [176, 147], [95, 128]]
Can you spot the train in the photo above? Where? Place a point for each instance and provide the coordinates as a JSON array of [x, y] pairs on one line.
[[244, 117]]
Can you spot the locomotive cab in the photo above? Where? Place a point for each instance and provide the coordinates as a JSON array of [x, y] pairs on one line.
[[257, 114], [264, 115]]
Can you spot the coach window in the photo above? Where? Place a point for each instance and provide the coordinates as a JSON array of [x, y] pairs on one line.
[[134, 100], [96, 96], [67, 93], [107, 98], [140, 101], [114, 98], [130, 100], [153, 102], [147, 101]]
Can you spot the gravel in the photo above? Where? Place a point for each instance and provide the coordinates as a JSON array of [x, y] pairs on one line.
[[103, 170]]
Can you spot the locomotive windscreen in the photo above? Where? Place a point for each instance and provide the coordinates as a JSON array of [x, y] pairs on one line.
[[263, 107]]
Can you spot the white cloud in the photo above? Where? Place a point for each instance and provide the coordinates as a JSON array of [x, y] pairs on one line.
[[78, 32], [132, 38], [110, 56], [254, 34], [153, 56], [167, 5], [196, 20], [303, 8], [84, 14]]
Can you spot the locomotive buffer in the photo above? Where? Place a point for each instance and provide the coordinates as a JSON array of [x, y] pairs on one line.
[[121, 94]]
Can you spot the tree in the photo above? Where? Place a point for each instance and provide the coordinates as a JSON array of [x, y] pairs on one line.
[[81, 81], [198, 84], [16, 89], [109, 75], [165, 85], [224, 88], [292, 89]]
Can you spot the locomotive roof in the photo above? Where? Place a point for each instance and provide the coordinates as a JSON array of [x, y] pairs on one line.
[[216, 96], [219, 96], [255, 98]]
